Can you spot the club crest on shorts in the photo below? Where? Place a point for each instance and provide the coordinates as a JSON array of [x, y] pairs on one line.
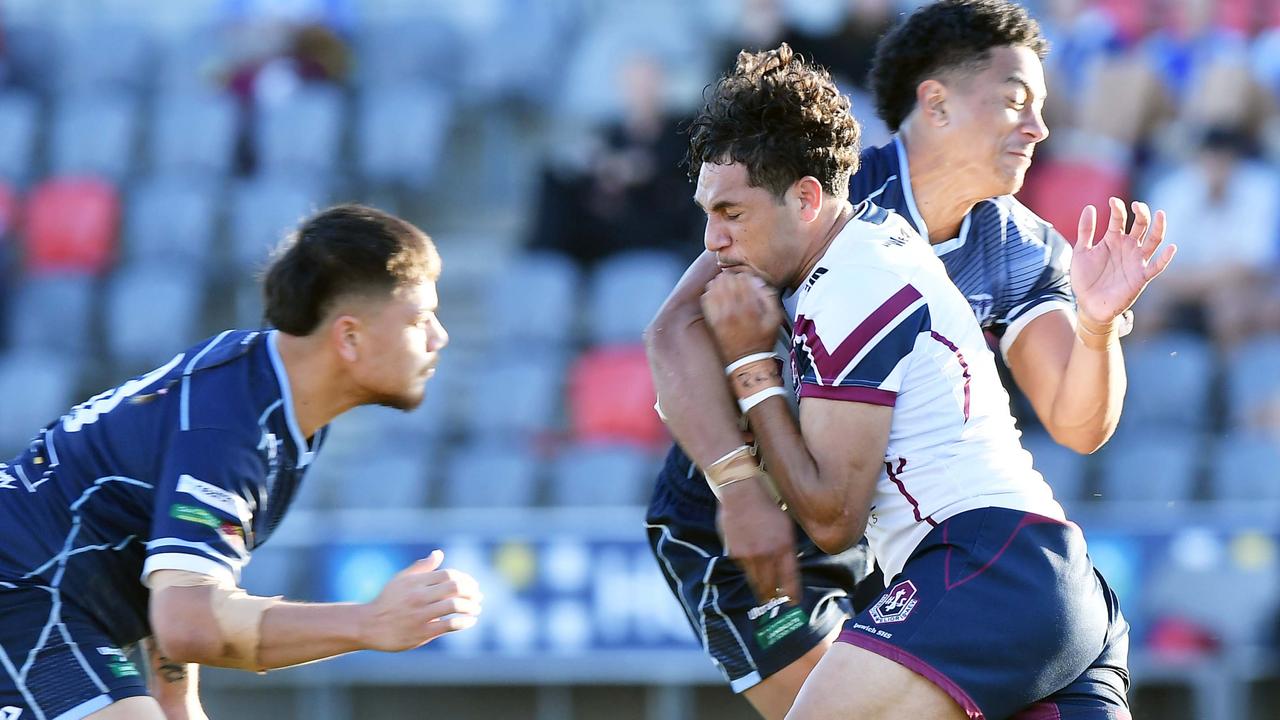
[[896, 604]]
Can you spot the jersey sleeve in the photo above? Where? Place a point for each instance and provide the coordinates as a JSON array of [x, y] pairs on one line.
[[205, 502], [1040, 283], [853, 336]]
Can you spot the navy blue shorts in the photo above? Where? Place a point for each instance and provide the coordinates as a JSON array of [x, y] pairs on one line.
[[1005, 612], [57, 663], [746, 640]]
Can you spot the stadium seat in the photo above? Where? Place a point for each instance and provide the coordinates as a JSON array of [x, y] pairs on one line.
[[514, 397], [625, 291], [1252, 379], [152, 309], [190, 60], [596, 474], [489, 475], [1246, 469], [172, 218], [71, 225], [400, 134], [1062, 468], [39, 387], [194, 132], [53, 313], [104, 56], [414, 52], [1158, 467], [1155, 365], [263, 211], [96, 135], [611, 397], [1058, 189], [542, 289], [302, 134], [19, 121], [384, 476]]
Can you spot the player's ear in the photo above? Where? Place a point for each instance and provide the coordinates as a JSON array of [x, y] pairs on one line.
[[809, 194], [345, 335], [931, 101]]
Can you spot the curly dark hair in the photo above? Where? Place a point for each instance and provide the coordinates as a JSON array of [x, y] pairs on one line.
[[341, 251], [946, 36], [780, 116]]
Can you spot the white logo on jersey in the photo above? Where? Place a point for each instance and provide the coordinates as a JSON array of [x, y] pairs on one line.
[[214, 496], [896, 604], [88, 412], [981, 304], [7, 482], [9, 712]]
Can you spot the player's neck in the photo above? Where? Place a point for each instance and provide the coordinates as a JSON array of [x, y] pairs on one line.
[[943, 190], [830, 223], [317, 389]]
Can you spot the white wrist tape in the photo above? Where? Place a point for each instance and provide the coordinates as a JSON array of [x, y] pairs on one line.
[[751, 401], [748, 359]]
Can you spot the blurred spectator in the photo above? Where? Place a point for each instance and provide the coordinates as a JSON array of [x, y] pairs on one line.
[[1223, 212], [1080, 35], [1191, 40], [633, 193], [847, 51]]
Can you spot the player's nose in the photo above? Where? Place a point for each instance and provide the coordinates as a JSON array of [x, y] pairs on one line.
[[714, 239], [438, 338]]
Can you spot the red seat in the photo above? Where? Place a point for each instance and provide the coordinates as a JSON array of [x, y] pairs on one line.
[[71, 225], [1057, 190], [1130, 16], [611, 397]]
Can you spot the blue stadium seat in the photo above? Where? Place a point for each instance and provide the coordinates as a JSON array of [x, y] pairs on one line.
[[152, 308], [413, 52], [53, 313], [1252, 379], [514, 397], [94, 135], [533, 299], [273, 570], [194, 132], [19, 120], [39, 387], [1246, 468], [483, 474], [263, 211], [1154, 366], [1062, 468], [401, 132], [301, 134], [173, 218], [191, 60], [383, 476], [105, 56], [1160, 466], [600, 475], [625, 291]]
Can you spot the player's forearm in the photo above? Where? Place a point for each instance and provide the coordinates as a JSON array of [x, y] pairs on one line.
[[1090, 398], [688, 373], [297, 633], [174, 685], [819, 505]]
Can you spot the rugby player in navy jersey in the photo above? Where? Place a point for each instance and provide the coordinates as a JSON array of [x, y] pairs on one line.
[[962, 85], [131, 516]]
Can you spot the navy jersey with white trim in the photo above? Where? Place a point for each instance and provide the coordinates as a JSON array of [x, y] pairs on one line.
[[1011, 265], [188, 467]]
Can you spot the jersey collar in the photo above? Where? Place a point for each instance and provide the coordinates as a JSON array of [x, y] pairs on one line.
[[286, 396]]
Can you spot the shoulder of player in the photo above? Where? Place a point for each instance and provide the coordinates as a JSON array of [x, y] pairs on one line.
[[1006, 220], [876, 167], [219, 387]]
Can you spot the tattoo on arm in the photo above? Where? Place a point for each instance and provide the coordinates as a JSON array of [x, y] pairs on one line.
[[171, 671]]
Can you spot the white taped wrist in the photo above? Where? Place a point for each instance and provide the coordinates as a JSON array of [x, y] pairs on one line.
[[748, 359], [746, 403]]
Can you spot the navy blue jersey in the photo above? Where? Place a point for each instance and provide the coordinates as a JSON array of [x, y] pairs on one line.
[[1010, 264], [188, 467]]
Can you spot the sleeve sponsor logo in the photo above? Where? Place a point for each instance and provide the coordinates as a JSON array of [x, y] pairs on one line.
[[215, 497], [191, 513]]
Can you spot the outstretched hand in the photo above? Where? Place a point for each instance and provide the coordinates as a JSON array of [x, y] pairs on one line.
[[1108, 275]]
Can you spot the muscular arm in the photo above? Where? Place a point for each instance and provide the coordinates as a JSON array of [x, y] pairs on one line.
[[173, 685], [1076, 384], [827, 466], [700, 412]]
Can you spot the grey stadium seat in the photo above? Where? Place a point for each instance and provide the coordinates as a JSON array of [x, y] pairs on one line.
[[152, 309], [1246, 468], [514, 397], [19, 120], [482, 474], [1154, 366], [302, 133], [94, 135], [55, 313], [194, 132], [542, 288], [172, 218], [625, 292], [38, 387], [263, 211], [1063, 468], [599, 475], [401, 133], [1160, 467], [1253, 378]]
